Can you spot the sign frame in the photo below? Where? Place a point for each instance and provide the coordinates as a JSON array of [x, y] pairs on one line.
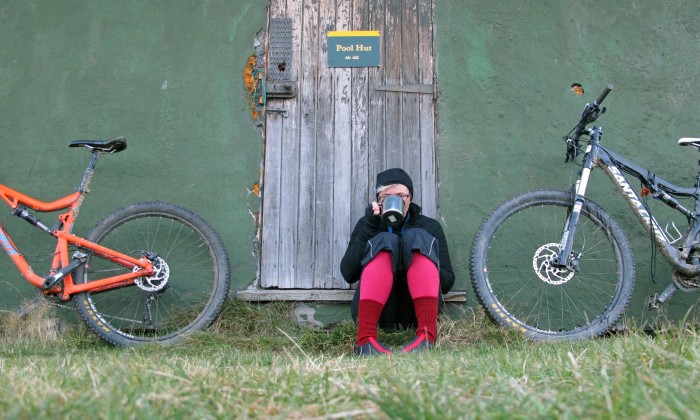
[[354, 48]]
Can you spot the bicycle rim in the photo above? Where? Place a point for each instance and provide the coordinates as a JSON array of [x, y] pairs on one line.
[[518, 286], [195, 289]]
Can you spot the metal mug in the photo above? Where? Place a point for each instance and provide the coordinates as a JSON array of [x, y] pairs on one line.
[[392, 210]]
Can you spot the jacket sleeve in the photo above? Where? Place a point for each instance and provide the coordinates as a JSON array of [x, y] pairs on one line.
[[447, 276], [351, 264]]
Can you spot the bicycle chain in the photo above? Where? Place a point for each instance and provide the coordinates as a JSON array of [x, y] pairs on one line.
[[39, 257], [54, 300], [43, 299], [46, 299]]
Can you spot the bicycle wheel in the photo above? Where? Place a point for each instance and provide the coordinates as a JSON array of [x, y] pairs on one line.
[[188, 295], [515, 282]]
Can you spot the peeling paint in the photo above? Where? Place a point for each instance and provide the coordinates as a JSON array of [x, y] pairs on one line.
[[252, 79], [256, 218], [255, 215], [304, 316], [255, 189]]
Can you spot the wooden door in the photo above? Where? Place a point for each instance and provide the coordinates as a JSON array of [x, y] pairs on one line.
[[324, 146]]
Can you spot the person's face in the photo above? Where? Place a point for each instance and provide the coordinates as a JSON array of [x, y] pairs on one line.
[[400, 190]]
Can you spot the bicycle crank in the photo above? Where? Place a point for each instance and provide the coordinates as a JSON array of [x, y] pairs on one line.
[[546, 270]]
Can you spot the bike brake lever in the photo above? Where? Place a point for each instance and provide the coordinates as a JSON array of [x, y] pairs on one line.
[[571, 146], [591, 113]]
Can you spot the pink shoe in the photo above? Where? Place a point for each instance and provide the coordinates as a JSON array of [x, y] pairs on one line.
[[419, 343], [372, 348]]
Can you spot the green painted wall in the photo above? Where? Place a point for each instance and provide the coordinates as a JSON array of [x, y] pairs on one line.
[[85, 69], [505, 70], [167, 75]]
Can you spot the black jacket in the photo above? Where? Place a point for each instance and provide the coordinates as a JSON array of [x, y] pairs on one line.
[[370, 225], [399, 309]]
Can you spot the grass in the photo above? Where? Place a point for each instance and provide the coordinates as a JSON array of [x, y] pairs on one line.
[[255, 362]]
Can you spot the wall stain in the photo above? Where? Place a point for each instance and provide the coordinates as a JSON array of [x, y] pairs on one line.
[[251, 80]]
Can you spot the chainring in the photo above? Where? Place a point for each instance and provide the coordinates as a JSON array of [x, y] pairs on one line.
[[685, 283]]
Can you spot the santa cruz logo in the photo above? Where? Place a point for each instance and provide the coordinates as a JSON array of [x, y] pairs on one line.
[[638, 205]]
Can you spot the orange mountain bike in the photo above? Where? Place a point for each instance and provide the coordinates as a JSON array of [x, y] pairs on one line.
[[148, 272]]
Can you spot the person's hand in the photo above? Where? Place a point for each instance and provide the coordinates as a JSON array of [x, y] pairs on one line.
[[375, 208], [372, 215]]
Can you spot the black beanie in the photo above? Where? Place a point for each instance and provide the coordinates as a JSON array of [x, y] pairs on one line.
[[395, 176]]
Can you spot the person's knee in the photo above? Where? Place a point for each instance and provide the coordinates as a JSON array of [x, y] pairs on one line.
[[418, 241], [383, 243]]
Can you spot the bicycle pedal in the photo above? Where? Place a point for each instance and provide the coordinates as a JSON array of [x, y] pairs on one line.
[[651, 302]]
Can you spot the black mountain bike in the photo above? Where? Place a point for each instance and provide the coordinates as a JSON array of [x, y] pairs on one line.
[[554, 265]]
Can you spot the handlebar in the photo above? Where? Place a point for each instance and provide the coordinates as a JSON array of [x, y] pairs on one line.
[[592, 110], [602, 96], [589, 114]]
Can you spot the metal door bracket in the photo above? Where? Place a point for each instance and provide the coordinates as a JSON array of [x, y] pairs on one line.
[[283, 112], [283, 89]]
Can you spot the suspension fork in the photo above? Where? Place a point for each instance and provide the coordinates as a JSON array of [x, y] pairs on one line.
[[565, 257]]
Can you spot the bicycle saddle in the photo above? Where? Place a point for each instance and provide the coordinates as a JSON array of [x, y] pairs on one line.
[[690, 141], [114, 145]]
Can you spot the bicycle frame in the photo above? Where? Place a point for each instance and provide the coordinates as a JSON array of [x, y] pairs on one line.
[[63, 265], [615, 166]]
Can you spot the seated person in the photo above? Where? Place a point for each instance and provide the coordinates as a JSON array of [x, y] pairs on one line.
[[402, 270]]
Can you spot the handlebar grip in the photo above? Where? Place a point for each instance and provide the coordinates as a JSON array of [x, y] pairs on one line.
[[602, 96]]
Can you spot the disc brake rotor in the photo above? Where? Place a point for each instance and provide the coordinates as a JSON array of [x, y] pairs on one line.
[[159, 278], [542, 262]]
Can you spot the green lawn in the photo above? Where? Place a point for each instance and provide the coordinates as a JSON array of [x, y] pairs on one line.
[[256, 363]]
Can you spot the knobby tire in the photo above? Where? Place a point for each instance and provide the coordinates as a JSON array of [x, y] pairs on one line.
[[502, 268], [194, 294]]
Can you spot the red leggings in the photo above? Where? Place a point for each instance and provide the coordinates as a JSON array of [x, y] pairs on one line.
[[378, 278], [377, 281]]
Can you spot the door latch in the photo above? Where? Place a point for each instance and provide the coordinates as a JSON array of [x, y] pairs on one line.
[[281, 89]]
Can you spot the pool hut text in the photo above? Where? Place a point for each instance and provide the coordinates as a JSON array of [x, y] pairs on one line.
[[350, 48], [353, 49]]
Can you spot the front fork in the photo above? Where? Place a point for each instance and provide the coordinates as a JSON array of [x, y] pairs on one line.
[[566, 257]]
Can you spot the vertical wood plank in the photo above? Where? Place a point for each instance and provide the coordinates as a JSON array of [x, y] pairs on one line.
[[410, 110], [361, 93], [360, 121], [342, 154], [289, 208], [269, 265], [306, 225], [428, 134], [376, 112], [269, 270], [394, 50], [324, 152]]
